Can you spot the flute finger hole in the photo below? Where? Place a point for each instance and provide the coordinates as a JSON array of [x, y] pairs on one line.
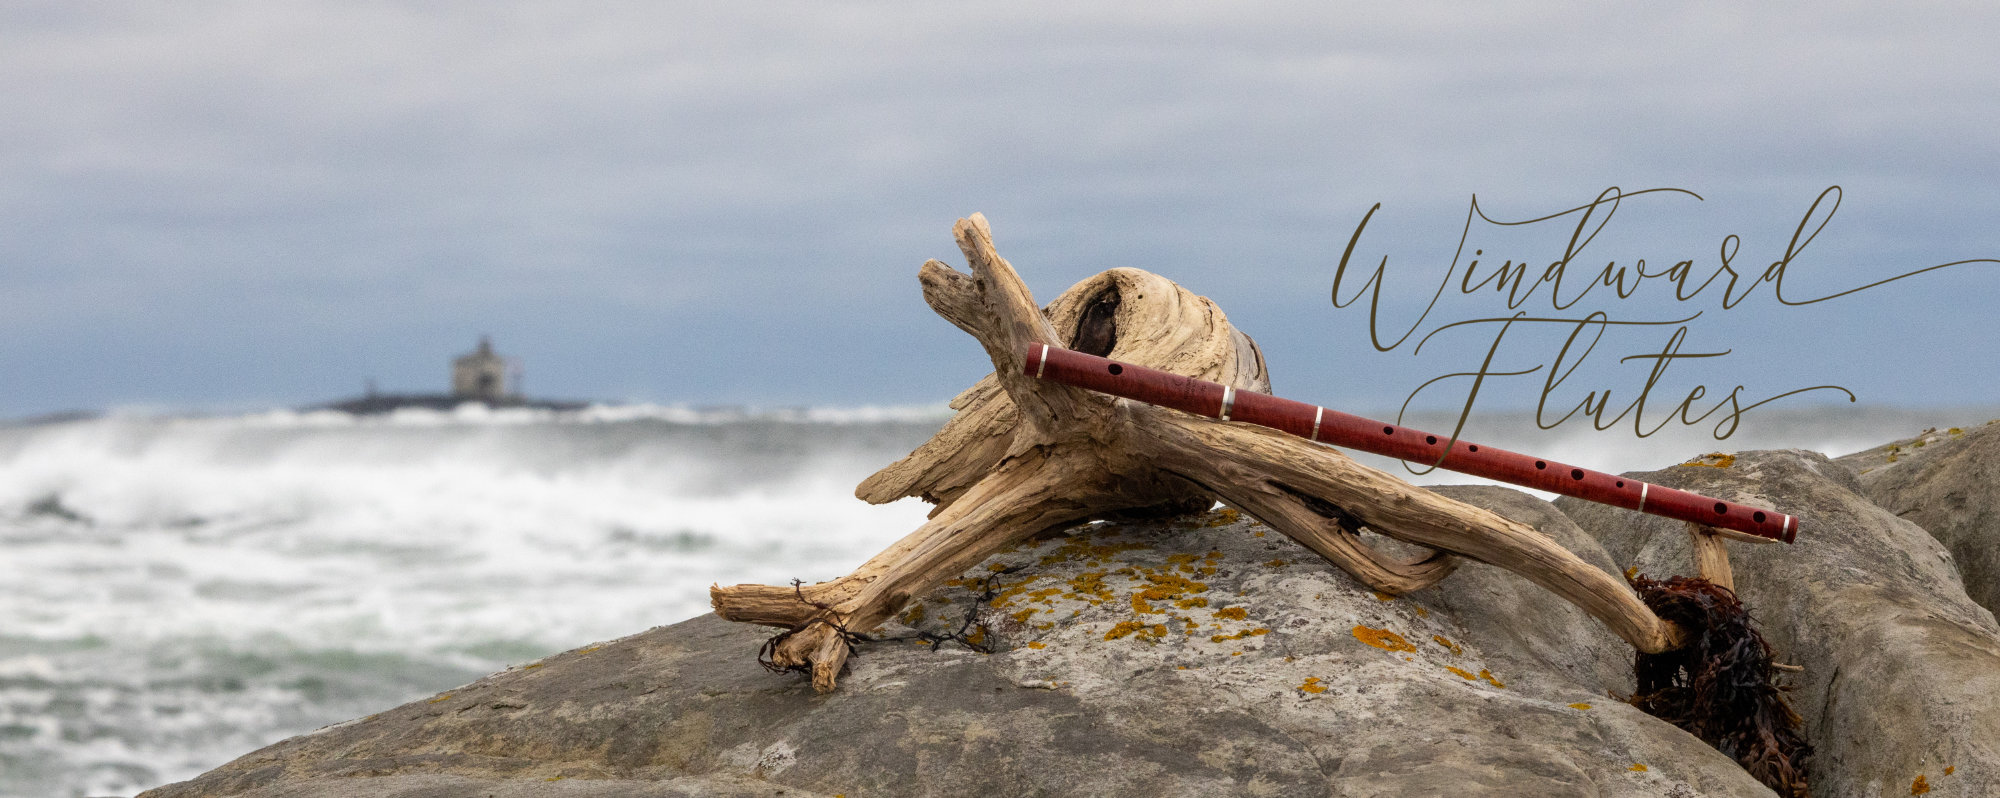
[[1758, 516], [1721, 509], [1576, 473], [1115, 369]]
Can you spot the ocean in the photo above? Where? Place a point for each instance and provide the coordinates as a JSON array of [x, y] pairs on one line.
[[176, 591]]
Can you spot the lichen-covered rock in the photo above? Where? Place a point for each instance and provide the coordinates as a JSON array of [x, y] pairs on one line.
[[1902, 670], [1948, 482], [1203, 657]]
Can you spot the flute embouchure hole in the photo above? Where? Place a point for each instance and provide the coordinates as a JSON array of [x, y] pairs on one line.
[[1388, 430], [1115, 368], [1758, 516], [1721, 509], [1576, 473], [1621, 483], [1540, 465], [1431, 439], [1472, 448]]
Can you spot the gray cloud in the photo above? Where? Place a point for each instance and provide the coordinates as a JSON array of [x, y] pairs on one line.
[[236, 203]]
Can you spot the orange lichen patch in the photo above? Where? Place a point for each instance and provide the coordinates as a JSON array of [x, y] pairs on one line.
[[1488, 676], [1045, 626], [1256, 534], [1312, 685], [1452, 647], [1920, 786], [1462, 673], [1258, 632], [1224, 517], [1036, 644], [997, 567], [1230, 613], [1713, 460], [1163, 586], [914, 616], [1081, 549], [531, 667], [1042, 596], [1006, 594], [442, 698], [1166, 585], [583, 651], [1638, 768], [1235, 653], [1423, 613], [1579, 706], [1381, 596], [1191, 603], [1383, 639], [1089, 585], [1631, 572], [1138, 630], [1951, 769], [978, 636], [1277, 563], [1022, 616]]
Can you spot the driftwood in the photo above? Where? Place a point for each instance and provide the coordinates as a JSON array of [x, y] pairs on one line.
[[1023, 456]]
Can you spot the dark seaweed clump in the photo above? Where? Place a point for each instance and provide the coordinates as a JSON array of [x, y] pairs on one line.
[[1721, 686]]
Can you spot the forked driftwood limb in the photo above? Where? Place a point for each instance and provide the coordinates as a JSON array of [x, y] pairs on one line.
[[1023, 456]]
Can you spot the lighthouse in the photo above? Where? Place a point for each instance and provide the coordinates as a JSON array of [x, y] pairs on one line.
[[483, 375]]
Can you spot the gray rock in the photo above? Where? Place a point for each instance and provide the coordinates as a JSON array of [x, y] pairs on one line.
[[1947, 482], [1902, 670], [1244, 668]]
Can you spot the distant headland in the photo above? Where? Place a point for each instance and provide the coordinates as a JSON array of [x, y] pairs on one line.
[[481, 376]]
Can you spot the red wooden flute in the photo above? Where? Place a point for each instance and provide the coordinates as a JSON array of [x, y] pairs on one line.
[[1214, 400]]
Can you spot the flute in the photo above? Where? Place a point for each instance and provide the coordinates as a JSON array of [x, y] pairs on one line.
[[1319, 424]]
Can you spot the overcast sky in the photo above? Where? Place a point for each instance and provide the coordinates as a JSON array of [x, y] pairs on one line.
[[237, 205]]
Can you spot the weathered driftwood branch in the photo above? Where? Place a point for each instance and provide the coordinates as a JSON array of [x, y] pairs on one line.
[[1022, 456], [1711, 556]]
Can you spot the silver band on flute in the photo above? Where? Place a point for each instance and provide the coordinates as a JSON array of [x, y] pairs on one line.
[[1228, 402], [1643, 488], [1320, 413], [1042, 364]]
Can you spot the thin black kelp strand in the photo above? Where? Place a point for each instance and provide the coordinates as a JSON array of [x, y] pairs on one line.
[[988, 589], [767, 654], [1721, 686], [963, 636]]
